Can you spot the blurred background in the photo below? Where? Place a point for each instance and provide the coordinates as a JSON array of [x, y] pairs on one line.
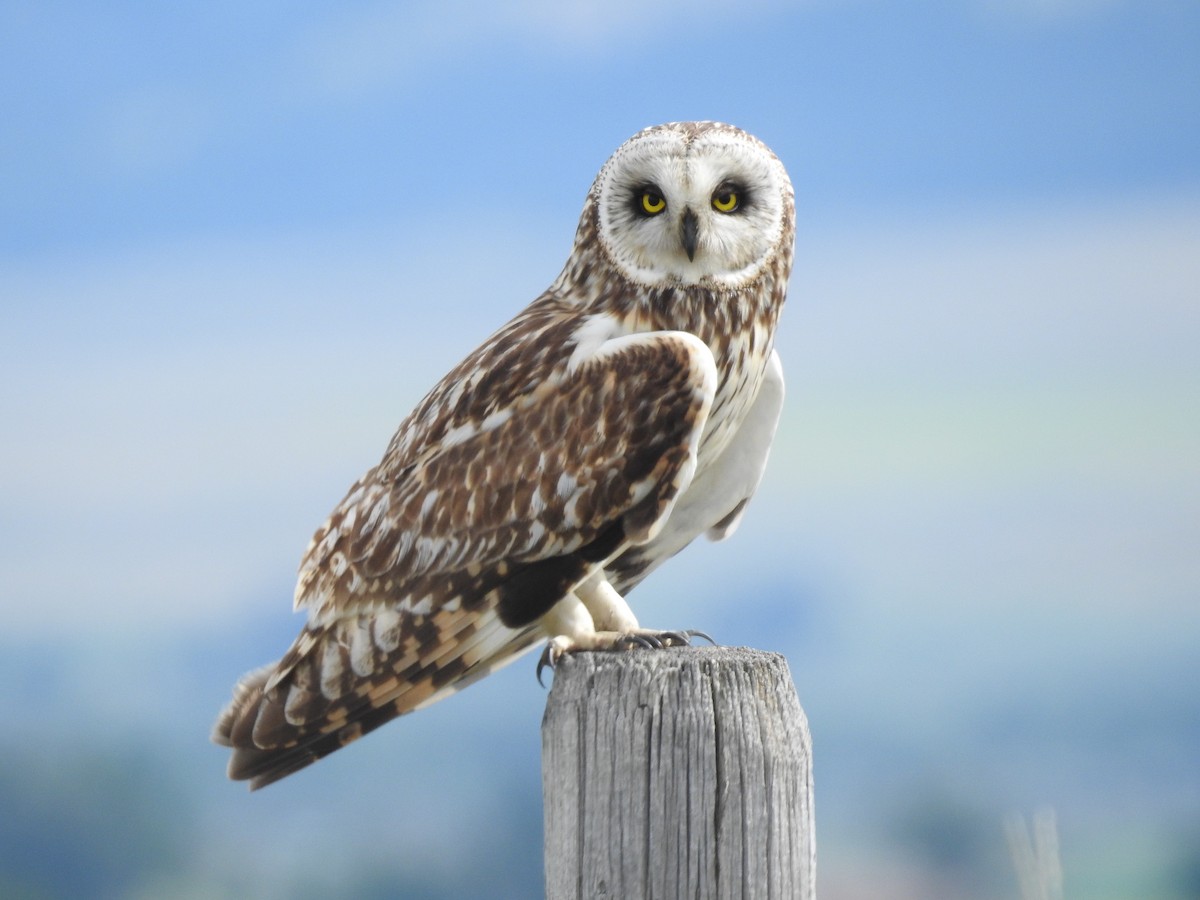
[[239, 241]]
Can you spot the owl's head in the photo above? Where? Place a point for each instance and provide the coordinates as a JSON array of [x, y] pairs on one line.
[[692, 203]]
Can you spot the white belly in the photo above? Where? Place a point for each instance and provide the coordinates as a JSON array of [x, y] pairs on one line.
[[727, 476]]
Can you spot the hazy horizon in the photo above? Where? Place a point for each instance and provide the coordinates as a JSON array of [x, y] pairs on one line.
[[238, 244]]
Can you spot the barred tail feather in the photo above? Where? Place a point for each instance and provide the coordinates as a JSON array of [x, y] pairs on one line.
[[287, 716], [247, 693]]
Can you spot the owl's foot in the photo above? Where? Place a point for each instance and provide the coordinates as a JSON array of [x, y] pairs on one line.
[[649, 639], [634, 639]]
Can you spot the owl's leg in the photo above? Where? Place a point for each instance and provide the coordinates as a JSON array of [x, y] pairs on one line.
[[617, 626], [612, 615], [609, 610], [595, 617], [570, 627]]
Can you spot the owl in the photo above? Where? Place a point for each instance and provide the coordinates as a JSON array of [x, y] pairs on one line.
[[627, 410]]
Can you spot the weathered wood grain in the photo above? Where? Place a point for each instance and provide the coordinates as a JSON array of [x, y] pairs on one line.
[[679, 773]]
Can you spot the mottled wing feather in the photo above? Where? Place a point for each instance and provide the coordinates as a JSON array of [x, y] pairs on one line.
[[409, 603], [537, 478]]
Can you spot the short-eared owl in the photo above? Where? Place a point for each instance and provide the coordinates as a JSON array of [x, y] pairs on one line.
[[624, 412]]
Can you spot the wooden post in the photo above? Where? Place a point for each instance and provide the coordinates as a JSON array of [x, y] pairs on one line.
[[677, 773]]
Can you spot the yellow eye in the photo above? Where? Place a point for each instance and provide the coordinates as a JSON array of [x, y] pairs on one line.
[[652, 203], [725, 200]]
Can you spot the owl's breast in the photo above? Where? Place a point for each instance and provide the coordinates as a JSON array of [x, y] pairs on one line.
[[741, 365]]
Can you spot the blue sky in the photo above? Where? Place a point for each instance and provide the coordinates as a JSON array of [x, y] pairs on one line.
[[134, 123], [238, 242]]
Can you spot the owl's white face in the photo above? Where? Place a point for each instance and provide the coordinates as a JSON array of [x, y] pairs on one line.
[[679, 207]]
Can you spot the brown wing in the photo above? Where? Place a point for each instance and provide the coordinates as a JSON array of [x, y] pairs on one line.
[[421, 583]]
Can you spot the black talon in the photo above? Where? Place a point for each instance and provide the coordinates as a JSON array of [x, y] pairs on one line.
[[543, 663], [632, 641], [682, 638], [673, 638]]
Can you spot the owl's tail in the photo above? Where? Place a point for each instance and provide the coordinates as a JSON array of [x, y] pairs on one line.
[[289, 714]]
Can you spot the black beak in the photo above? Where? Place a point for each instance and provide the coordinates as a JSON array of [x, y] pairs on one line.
[[691, 231]]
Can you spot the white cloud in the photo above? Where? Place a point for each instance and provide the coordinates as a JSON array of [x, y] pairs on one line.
[[381, 46], [187, 416], [153, 128], [378, 46], [992, 432], [1047, 11], [169, 404]]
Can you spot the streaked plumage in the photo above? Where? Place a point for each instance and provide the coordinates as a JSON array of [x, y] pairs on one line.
[[624, 412]]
